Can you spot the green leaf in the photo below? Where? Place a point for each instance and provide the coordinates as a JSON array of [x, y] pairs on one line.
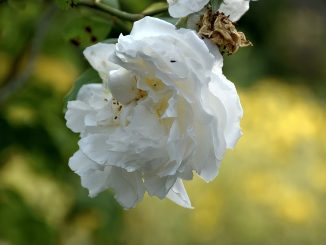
[[215, 5], [89, 76], [182, 22], [112, 3], [154, 6], [17, 4], [66, 4], [171, 20], [83, 31], [135, 6], [110, 40]]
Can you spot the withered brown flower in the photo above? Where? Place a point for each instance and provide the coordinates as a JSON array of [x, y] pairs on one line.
[[221, 30]]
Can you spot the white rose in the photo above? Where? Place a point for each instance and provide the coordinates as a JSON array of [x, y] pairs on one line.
[[168, 111], [233, 8], [181, 8]]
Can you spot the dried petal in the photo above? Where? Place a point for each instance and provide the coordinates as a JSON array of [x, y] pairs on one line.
[[221, 31]]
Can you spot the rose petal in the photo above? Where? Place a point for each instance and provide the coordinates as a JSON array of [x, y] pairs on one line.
[[234, 8], [181, 8], [178, 194], [98, 56]]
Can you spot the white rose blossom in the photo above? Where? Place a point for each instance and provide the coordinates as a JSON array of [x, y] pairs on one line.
[[164, 111], [232, 8], [182, 8]]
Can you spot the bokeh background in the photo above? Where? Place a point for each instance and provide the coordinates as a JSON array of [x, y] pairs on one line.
[[271, 188]]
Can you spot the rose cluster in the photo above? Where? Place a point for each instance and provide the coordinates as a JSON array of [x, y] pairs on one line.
[[163, 112]]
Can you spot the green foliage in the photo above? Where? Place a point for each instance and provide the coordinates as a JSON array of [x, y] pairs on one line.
[[15, 32], [24, 224], [215, 5], [66, 4], [83, 31], [155, 6], [113, 3], [17, 4], [89, 76], [135, 6], [170, 20]]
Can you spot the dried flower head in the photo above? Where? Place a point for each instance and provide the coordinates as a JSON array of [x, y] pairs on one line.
[[221, 31]]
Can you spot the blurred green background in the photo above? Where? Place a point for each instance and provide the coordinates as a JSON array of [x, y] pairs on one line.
[[271, 188]]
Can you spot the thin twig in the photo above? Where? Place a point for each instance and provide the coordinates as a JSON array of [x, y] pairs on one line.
[[110, 10], [155, 11], [17, 79], [122, 25], [99, 5]]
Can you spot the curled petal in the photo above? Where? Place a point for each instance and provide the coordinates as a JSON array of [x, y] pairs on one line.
[[98, 56], [89, 107], [178, 194], [159, 186], [182, 8], [226, 92], [128, 187], [234, 8]]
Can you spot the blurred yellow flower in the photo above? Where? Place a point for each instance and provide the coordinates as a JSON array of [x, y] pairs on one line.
[[55, 72]]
